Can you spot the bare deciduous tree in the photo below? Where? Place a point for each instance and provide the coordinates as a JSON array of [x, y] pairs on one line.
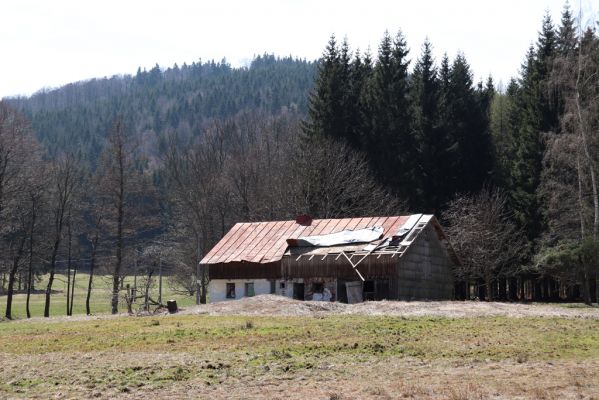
[[65, 180], [481, 231], [19, 163], [129, 198]]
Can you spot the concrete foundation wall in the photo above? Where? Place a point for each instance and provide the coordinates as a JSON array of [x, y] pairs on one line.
[[217, 288]]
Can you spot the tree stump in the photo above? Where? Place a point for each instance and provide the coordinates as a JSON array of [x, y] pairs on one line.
[[171, 305]]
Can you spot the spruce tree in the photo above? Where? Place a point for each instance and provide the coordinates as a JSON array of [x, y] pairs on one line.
[[388, 142], [526, 162], [466, 114], [430, 143], [566, 38], [538, 106], [548, 95], [325, 114], [360, 71]]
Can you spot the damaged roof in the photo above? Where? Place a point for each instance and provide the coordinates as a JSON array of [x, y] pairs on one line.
[[266, 242]]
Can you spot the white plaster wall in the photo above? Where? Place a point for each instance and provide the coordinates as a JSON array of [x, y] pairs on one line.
[[217, 288]]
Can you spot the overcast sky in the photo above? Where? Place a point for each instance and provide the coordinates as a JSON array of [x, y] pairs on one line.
[[50, 43]]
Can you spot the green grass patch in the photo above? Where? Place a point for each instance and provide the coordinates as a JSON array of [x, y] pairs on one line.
[[99, 301], [305, 340]]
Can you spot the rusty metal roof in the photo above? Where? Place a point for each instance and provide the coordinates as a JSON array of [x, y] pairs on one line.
[[266, 242]]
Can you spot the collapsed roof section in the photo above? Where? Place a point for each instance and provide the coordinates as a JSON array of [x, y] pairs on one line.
[[267, 242]]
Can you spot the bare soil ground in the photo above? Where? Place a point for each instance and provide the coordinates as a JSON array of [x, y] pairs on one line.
[[281, 306], [84, 376]]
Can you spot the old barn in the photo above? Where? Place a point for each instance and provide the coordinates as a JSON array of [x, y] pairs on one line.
[[348, 260]]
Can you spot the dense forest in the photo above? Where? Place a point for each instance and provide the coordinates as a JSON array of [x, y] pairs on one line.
[[183, 98], [163, 163]]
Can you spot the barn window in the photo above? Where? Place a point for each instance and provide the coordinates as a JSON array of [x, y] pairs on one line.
[[282, 285], [230, 290], [249, 289]]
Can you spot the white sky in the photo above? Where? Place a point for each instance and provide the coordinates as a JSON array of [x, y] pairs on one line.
[[51, 43]]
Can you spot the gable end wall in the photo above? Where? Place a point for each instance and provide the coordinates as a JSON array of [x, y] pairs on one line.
[[425, 271]]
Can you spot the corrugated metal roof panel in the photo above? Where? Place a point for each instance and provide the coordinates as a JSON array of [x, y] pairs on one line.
[[264, 242]]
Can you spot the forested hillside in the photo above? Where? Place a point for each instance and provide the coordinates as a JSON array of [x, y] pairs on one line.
[[183, 98]]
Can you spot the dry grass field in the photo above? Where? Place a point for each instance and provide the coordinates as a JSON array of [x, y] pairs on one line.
[[345, 352]]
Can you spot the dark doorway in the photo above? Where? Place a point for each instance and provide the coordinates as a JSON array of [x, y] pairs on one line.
[[298, 291], [368, 290], [341, 291]]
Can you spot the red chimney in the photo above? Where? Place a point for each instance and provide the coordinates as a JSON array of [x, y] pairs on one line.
[[303, 219]]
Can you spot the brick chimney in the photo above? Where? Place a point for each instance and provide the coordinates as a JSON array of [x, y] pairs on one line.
[[304, 219]]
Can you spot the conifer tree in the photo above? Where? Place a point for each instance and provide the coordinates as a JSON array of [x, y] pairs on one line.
[[431, 144], [538, 105], [325, 113], [566, 37], [471, 136], [388, 143]]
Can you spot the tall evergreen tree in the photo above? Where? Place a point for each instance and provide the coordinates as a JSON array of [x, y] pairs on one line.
[[388, 142], [472, 138], [538, 105], [431, 144], [526, 162], [566, 37], [324, 114], [548, 96]]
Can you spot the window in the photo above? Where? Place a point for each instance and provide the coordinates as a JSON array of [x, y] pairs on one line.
[[317, 287], [282, 285], [230, 291], [249, 289], [273, 287]]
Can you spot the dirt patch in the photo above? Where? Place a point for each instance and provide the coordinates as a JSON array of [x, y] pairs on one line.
[[273, 305], [167, 375]]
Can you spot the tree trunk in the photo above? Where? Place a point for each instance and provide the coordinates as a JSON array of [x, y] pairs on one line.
[[73, 290], [51, 278], [119, 245], [69, 264], [488, 286], [91, 275], [30, 269], [9, 292], [147, 292], [587, 288], [11, 278]]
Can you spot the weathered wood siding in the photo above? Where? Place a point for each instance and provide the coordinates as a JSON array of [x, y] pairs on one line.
[[425, 270], [373, 267]]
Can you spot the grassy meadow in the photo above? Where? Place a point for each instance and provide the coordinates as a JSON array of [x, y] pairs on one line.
[[99, 301], [329, 357]]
